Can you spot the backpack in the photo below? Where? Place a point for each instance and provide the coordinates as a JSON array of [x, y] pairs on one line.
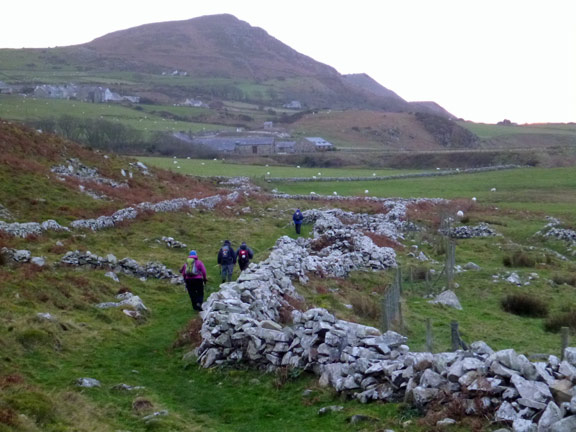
[[243, 255], [225, 251], [191, 269]]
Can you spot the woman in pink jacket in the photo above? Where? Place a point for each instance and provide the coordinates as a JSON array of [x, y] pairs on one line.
[[194, 274]]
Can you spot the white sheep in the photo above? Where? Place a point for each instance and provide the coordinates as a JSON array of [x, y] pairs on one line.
[[460, 214], [493, 190], [366, 191], [474, 199], [335, 193]]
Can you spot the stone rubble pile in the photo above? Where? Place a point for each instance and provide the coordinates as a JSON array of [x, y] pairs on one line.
[[127, 299], [171, 242], [566, 235], [21, 256], [464, 232], [126, 266], [239, 183], [5, 213], [77, 169], [26, 229]]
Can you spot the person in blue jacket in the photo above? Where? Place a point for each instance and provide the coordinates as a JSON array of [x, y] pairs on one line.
[[226, 260], [298, 217]]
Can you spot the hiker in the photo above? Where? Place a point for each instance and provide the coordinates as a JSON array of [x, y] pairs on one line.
[[297, 217], [244, 254], [194, 273], [226, 260]]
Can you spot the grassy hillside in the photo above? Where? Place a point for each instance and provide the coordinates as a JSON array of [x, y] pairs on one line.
[[42, 358]]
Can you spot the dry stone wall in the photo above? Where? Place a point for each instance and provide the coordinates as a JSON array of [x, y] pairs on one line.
[[246, 322], [26, 229]]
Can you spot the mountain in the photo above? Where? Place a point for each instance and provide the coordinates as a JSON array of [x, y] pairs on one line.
[[222, 46], [209, 46]]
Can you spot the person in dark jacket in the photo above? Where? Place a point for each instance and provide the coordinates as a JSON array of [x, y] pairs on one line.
[[194, 273], [243, 255], [226, 260], [297, 217]]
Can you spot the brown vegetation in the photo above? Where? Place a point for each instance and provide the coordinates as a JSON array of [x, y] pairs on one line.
[[524, 305]]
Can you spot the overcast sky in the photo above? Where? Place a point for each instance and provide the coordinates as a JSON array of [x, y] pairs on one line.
[[482, 60]]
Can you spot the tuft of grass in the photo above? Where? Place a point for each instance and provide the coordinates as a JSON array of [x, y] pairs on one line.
[[564, 278], [519, 259], [564, 319], [365, 307], [524, 305]]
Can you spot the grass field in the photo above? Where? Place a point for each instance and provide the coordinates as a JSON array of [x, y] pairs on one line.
[[491, 130], [29, 109], [198, 167], [539, 190]]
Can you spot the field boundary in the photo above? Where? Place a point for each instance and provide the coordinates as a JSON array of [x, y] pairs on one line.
[[396, 176]]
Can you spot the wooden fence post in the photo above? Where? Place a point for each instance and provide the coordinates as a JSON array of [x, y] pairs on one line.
[[564, 338], [455, 335], [429, 346]]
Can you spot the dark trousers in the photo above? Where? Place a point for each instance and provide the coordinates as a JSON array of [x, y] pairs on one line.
[[298, 226], [195, 288]]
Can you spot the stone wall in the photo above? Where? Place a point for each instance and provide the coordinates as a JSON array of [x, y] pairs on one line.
[[252, 321], [398, 176], [26, 229]]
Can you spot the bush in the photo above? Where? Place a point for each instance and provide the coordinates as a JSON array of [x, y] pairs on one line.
[[525, 305], [564, 319], [365, 306], [519, 259], [34, 404], [564, 278]]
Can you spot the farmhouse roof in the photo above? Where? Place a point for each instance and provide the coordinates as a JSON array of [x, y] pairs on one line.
[[319, 142]]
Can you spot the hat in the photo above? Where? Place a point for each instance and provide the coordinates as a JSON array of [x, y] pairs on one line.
[[193, 254], [226, 241]]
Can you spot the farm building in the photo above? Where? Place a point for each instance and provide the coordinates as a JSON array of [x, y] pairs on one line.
[[320, 144], [258, 145]]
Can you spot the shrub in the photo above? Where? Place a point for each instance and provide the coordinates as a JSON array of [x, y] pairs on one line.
[[365, 306], [525, 305], [519, 259], [32, 338], [417, 273], [34, 404], [564, 319], [564, 278]]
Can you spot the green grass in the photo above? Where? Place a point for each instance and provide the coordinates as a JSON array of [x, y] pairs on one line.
[[544, 190], [29, 109], [492, 130], [198, 167], [107, 345]]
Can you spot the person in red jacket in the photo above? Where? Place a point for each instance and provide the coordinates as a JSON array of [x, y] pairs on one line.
[[194, 273]]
